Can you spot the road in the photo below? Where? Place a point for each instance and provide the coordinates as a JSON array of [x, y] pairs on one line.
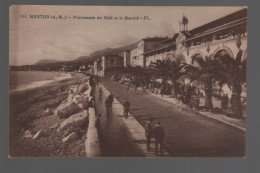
[[187, 133]]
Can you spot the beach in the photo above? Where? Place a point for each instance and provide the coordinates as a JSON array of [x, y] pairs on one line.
[[32, 110]]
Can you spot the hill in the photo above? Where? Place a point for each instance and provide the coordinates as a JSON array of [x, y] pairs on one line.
[[76, 63], [107, 51], [46, 61]]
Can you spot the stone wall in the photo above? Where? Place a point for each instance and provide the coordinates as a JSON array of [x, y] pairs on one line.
[[92, 143]]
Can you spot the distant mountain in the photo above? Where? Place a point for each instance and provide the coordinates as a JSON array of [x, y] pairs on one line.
[[92, 57], [107, 51], [46, 61], [81, 58]]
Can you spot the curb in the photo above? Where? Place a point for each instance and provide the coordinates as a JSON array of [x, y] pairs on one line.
[[204, 114], [225, 122], [92, 144]]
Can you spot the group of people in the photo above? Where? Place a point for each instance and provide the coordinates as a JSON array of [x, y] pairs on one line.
[[157, 133], [185, 92], [109, 102]]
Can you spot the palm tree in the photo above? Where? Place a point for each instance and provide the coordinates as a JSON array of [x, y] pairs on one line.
[[205, 74], [232, 72], [167, 70], [137, 71], [177, 72], [160, 69]]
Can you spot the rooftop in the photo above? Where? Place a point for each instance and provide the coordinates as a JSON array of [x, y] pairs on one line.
[[155, 39], [220, 21]]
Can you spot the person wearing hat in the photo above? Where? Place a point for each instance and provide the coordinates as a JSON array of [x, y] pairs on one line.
[[126, 106], [111, 100], [158, 134], [148, 133], [100, 92], [107, 104]]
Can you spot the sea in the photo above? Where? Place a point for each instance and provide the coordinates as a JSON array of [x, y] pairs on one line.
[[24, 80]]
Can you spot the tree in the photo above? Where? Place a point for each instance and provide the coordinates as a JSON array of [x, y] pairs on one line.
[[167, 70], [137, 71], [204, 73], [232, 71], [128, 69], [160, 69], [176, 73]]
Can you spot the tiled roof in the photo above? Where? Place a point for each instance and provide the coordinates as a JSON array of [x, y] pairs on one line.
[[221, 21]]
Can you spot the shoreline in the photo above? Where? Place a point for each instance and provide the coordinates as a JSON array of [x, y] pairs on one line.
[[26, 112], [41, 83]]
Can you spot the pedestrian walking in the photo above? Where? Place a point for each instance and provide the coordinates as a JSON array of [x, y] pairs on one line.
[[162, 91], [97, 79], [197, 103], [158, 134], [107, 104], [135, 87], [226, 101], [100, 92], [148, 133], [111, 100], [91, 104], [222, 101], [126, 106]]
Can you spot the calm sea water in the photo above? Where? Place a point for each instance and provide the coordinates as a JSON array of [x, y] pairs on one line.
[[22, 80]]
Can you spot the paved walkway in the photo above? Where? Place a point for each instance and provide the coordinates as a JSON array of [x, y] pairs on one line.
[[114, 141], [135, 131], [188, 134]]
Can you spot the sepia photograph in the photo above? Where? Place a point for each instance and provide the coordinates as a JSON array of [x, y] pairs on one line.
[[127, 81]]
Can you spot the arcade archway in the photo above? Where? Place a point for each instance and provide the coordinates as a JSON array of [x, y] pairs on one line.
[[196, 59], [222, 52]]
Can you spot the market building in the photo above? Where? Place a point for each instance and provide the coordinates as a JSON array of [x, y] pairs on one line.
[[225, 35]]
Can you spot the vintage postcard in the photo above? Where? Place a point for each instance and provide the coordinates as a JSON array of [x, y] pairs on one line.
[[127, 81]]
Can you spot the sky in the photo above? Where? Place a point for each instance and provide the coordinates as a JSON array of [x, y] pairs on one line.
[[33, 39]]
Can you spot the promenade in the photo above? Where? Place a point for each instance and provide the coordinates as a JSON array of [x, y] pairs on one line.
[[112, 133], [188, 134]]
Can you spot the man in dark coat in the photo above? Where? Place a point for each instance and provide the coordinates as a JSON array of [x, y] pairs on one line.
[[226, 101], [158, 134], [107, 103], [100, 92], [126, 106], [111, 100], [148, 133]]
